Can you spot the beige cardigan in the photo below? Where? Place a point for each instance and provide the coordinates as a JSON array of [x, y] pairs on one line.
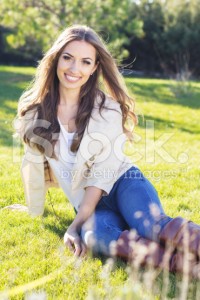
[[99, 161]]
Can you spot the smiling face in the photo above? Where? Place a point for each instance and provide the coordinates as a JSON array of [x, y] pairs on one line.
[[76, 64]]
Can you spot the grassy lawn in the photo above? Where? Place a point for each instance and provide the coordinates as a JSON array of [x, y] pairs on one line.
[[33, 260]]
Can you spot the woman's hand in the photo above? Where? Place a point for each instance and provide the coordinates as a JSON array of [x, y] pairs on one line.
[[73, 241], [72, 238]]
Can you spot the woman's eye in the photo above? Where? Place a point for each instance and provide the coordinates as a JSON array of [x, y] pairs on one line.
[[66, 57], [87, 62]]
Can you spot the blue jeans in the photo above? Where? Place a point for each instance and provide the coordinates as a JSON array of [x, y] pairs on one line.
[[133, 203]]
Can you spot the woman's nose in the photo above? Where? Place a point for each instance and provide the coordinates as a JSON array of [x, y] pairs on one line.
[[74, 67]]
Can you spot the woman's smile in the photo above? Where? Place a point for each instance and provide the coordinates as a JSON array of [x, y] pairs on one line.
[[71, 78]]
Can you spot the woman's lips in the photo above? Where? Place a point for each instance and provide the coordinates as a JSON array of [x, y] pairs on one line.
[[72, 78]]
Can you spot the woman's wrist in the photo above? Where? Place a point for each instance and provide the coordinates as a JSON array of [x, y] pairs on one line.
[[74, 227], [86, 209]]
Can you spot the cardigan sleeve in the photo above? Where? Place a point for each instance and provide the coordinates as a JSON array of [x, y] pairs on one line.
[[32, 168], [36, 173], [32, 171]]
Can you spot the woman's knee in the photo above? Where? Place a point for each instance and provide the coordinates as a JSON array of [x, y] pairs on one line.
[[87, 232], [99, 232], [94, 242]]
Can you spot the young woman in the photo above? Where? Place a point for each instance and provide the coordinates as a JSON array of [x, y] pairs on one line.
[[73, 122]]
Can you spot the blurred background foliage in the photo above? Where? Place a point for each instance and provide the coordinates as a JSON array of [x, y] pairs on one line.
[[151, 37]]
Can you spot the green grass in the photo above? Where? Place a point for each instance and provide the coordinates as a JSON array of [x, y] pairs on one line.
[[32, 256]]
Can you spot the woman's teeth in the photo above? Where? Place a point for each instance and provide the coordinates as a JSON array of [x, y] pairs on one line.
[[72, 78]]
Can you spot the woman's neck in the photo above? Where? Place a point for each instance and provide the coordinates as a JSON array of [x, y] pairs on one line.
[[69, 97]]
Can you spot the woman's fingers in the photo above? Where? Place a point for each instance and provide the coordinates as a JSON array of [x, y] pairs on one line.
[[75, 245], [84, 250], [68, 241], [69, 245]]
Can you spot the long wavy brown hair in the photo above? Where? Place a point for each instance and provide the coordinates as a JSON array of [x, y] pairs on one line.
[[42, 97]]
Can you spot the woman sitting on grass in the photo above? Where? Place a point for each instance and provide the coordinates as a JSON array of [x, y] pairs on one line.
[[73, 122]]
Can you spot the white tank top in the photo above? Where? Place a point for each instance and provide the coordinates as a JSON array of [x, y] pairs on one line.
[[62, 167]]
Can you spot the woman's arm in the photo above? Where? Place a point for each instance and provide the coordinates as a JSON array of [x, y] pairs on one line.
[[87, 207], [33, 177], [72, 237]]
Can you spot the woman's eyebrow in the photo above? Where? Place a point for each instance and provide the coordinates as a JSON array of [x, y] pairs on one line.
[[72, 56]]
